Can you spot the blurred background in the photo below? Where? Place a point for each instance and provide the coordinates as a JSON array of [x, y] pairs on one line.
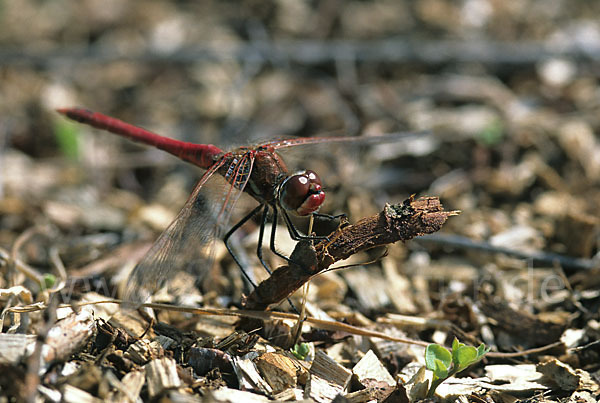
[[508, 88]]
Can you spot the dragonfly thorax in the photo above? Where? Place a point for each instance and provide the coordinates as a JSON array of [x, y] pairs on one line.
[[267, 172], [269, 180]]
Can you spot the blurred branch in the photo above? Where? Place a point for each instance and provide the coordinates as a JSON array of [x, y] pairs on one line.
[[536, 257], [309, 52]]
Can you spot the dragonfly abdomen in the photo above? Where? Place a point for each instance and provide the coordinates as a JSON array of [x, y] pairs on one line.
[[202, 155]]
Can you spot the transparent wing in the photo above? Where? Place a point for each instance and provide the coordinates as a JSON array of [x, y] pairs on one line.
[[355, 168], [188, 243], [385, 138]]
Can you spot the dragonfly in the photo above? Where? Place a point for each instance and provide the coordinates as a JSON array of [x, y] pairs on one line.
[[259, 171]]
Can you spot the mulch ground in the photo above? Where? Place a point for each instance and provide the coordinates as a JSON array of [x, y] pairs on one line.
[[492, 238]]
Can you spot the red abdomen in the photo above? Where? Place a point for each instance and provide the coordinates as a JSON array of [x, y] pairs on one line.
[[202, 155]]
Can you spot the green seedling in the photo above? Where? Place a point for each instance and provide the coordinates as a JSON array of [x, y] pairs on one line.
[[301, 351], [67, 138], [48, 280], [492, 134], [445, 364]]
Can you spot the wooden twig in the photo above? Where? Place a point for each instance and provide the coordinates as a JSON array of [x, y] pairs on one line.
[[306, 52], [399, 222], [535, 257]]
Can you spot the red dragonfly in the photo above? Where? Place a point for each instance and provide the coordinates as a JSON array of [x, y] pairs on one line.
[[259, 171]]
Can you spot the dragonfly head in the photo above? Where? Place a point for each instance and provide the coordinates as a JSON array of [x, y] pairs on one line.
[[301, 193]]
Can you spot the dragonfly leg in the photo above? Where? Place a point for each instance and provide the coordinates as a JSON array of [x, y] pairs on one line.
[[228, 235], [261, 234], [295, 234], [272, 241], [329, 216], [260, 240]]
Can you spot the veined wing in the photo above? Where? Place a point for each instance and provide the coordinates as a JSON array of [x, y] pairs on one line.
[[385, 138], [188, 243], [237, 175]]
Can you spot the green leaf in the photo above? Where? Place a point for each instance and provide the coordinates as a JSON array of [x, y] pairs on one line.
[[435, 352], [441, 370], [482, 350], [301, 350], [465, 356], [438, 359], [455, 344], [49, 280], [492, 134], [67, 137]]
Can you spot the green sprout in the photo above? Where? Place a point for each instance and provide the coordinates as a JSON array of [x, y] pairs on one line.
[[48, 280], [301, 351], [492, 134], [67, 138], [445, 364]]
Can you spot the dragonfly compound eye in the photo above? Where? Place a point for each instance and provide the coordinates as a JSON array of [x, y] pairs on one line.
[[302, 193]]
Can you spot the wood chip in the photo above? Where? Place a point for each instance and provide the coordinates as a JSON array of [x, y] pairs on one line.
[[503, 378], [372, 375], [522, 325], [184, 396], [559, 375], [129, 388], [14, 346], [278, 370], [512, 373], [369, 287], [325, 367], [101, 311], [322, 390], [234, 396], [203, 360], [582, 397], [361, 396], [369, 367], [248, 375], [398, 288], [131, 321], [49, 394], [17, 291], [328, 378], [217, 327], [289, 395], [161, 374], [415, 323], [85, 376], [68, 336], [71, 394], [143, 351]]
